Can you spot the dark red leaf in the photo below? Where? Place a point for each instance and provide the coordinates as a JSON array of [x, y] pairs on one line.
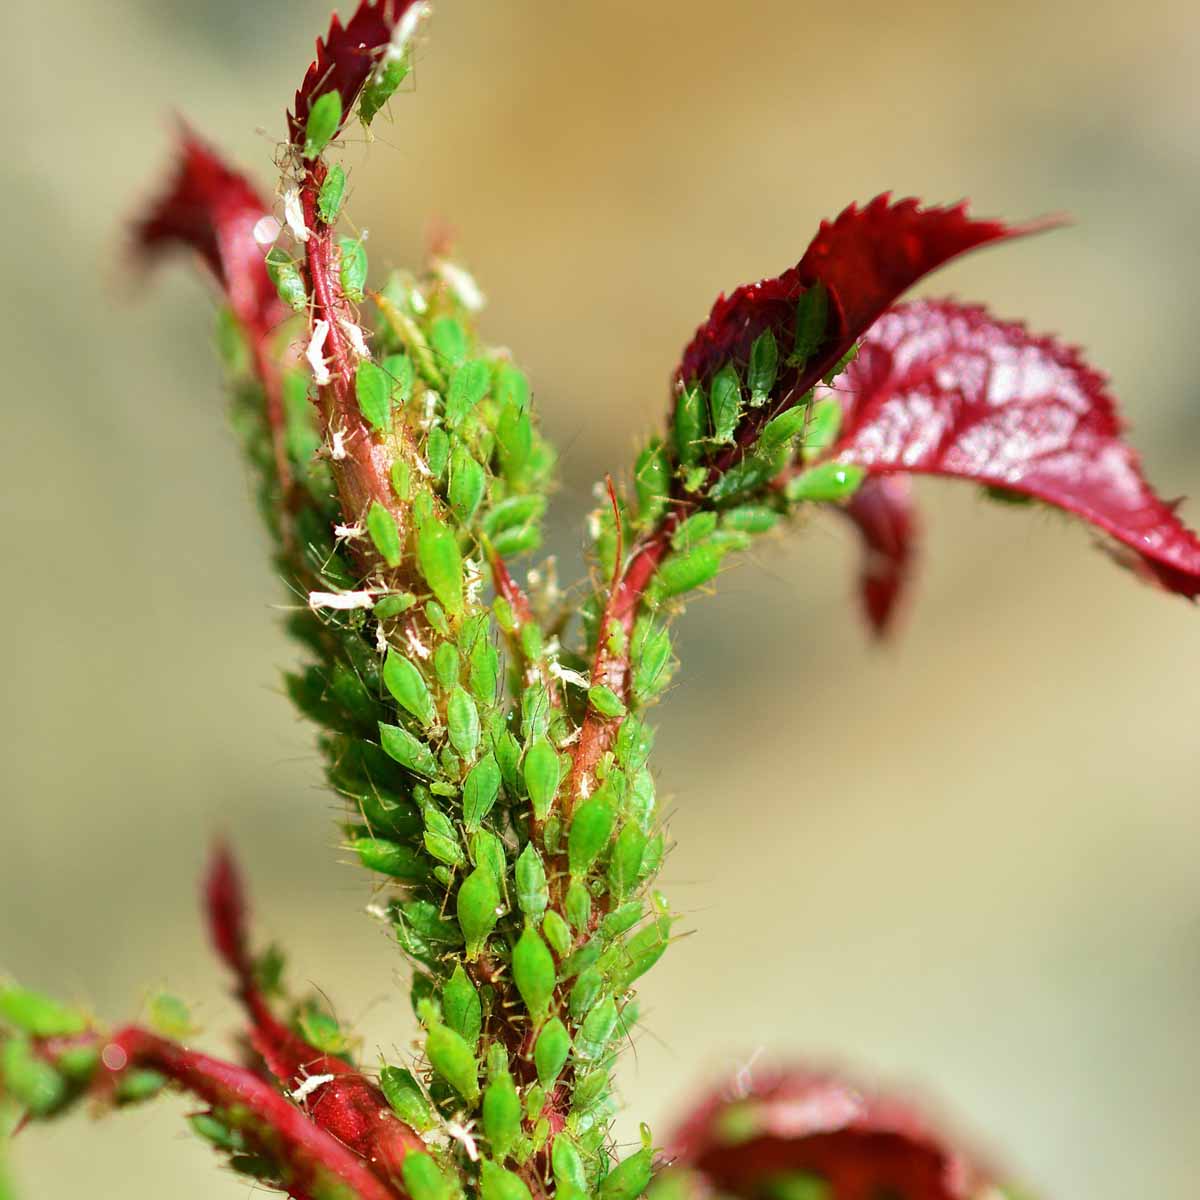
[[346, 56], [882, 510], [212, 209], [788, 1122], [942, 389]]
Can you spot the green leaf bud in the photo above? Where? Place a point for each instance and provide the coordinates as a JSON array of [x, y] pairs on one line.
[[578, 906], [389, 858], [400, 745], [501, 1115], [764, 367], [690, 425], [591, 828], [827, 482], [626, 860], [385, 537], [725, 403], [477, 905], [352, 268], [629, 1178], [496, 1183], [461, 1007], [568, 1164], [453, 1059], [558, 934], [541, 773], [550, 1051], [532, 892], [423, 1178], [407, 685], [480, 789], [39, 1015], [462, 722], [324, 117], [597, 1029], [533, 973], [441, 564]]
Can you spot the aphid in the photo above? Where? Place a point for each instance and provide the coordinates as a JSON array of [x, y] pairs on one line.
[[480, 790], [405, 749], [385, 536], [447, 662], [558, 933], [629, 1178], [405, 1097], [828, 482], [497, 1183], [354, 335], [408, 688], [532, 893], [453, 1060], [423, 1178], [340, 601], [461, 1006], [578, 906], [39, 1015], [324, 119], [778, 432], [450, 341], [812, 315], [441, 564], [597, 1029], [725, 403], [591, 829], [373, 390], [605, 701], [468, 482], [462, 723], [352, 268], [824, 425], [389, 858], [309, 1085], [568, 1165], [533, 973], [626, 863], [764, 367], [541, 772], [329, 198], [477, 905], [652, 482], [501, 1114], [550, 1052], [462, 283], [469, 386], [690, 425], [293, 213], [315, 353]]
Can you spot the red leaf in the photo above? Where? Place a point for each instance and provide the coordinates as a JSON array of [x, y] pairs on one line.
[[941, 389], [863, 1146], [883, 512], [212, 209], [866, 259], [346, 56]]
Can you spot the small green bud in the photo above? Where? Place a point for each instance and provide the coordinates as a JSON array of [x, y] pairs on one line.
[[568, 1164], [468, 482], [578, 906], [591, 828], [285, 275], [652, 482], [441, 564], [329, 198], [689, 426], [812, 315], [628, 1179], [584, 993], [541, 773], [462, 722], [389, 858], [550, 1051], [480, 789], [453, 1059], [352, 268], [406, 1099], [597, 1029], [533, 973], [35, 1014], [498, 1184], [532, 892], [827, 482], [605, 701], [324, 117], [461, 1007], [558, 934], [477, 906], [725, 403], [423, 1178], [824, 425], [400, 745], [381, 525], [501, 1115], [764, 367], [373, 390], [626, 860], [408, 688]]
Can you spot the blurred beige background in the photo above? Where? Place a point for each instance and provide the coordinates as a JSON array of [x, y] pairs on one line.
[[964, 863]]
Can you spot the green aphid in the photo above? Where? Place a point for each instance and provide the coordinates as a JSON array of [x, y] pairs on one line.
[[513, 542], [461, 1007], [585, 991], [578, 906], [743, 478], [380, 87], [423, 1178], [136, 1086], [514, 444], [447, 663], [596, 1030], [586, 956], [652, 482], [841, 364], [320, 1029], [551, 1051], [532, 892], [591, 829], [535, 1101], [622, 919], [629, 1178], [512, 387], [513, 512], [329, 198], [812, 316], [501, 1115], [634, 743], [652, 857], [212, 1129], [484, 671], [480, 789], [567, 1163], [445, 849], [284, 273], [39, 1015], [508, 757], [693, 478], [405, 1098], [399, 370], [390, 858], [393, 605], [324, 119], [169, 1016], [588, 1089], [690, 425], [426, 918], [29, 1080], [651, 651], [827, 483], [725, 404], [496, 1183], [641, 952], [750, 518], [373, 390], [255, 1166], [541, 772], [487, 851], [470, 385], [779, 432], [462, 723], [468, 483], [450, 341], [478, 905], [437, 451], [385, 536], [400, 745], [625, 865], [441, 563], [764, 368], [824, 425], [435, 614], [684, 572], [401, 479], [695, 529], [453, 1059], [352, 268], [407, 685], [639, 802], [78, 1063], [605, 701], [558, 934], [533, 973]]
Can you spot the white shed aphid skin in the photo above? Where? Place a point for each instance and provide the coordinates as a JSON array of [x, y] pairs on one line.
[[378, 911], [293, 213], [315, 353], [417, 301], [381, 642], [266, 231], [337, 448], [348, 531], [354, 335], [415, 644], [472, 580], [462, 1135], [422, 466], [429, 418], [403, 33], [308, 1086], [341, 601], [566, 675], [462, 283], [585, 786]]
